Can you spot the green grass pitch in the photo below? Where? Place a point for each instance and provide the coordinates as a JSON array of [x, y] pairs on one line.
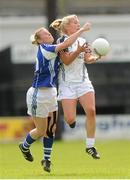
[[69, 161]]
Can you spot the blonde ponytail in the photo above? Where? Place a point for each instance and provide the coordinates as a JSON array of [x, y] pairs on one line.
[[56, 24], [60, 24], [34, 37]]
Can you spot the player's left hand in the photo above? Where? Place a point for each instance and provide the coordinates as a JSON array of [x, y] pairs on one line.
[[88, 49], [81, 48]]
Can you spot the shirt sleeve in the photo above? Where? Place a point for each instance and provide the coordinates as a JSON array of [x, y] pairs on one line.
[[48, 51], [49, 47]]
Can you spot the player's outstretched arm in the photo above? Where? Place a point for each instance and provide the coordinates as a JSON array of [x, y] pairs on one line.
[[68, 42]]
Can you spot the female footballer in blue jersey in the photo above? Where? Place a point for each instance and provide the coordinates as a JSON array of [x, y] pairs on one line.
[[42, 96]]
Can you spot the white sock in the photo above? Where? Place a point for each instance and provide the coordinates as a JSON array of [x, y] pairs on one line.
[[90, 142]]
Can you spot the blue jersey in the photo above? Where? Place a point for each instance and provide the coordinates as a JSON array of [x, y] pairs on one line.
[[46, 68]]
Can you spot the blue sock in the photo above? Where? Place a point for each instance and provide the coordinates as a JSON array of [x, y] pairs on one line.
[[27, 142], [47, 143]]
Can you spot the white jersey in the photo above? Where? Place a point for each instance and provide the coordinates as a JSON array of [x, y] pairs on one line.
[[76, 71]]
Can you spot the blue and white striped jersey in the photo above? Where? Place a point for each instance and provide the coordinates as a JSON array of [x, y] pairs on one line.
[[46, 68]]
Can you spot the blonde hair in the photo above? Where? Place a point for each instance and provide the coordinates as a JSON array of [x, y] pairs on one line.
[[35, 37], [59, 24]]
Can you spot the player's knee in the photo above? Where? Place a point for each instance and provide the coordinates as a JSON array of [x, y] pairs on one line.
[[91, 111], [70, 119]]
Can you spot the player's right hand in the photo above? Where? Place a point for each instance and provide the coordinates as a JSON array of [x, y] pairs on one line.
[[86, 26]]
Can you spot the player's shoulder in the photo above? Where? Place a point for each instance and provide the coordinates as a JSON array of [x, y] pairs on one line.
[[61, 39], [48, 47]]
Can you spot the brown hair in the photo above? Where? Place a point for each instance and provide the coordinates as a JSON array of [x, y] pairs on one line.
[[34, 37], [59, 24]]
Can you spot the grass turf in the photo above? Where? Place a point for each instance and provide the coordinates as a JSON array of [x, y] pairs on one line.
[[69, 161]]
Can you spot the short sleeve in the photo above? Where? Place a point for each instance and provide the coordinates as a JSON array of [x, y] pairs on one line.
[[49, 47], [48, 51]]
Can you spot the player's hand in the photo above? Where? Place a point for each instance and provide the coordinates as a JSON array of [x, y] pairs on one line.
[[86, 26], [82, 48], [98, 57], [88, 50]]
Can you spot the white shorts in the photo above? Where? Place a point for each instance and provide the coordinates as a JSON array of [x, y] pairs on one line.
[[40, 102], [74, 90]]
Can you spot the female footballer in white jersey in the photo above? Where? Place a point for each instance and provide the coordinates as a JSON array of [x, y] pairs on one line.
[[42, 96], [74, 83]]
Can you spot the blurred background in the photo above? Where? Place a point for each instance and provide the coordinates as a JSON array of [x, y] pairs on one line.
[[111, 77]]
